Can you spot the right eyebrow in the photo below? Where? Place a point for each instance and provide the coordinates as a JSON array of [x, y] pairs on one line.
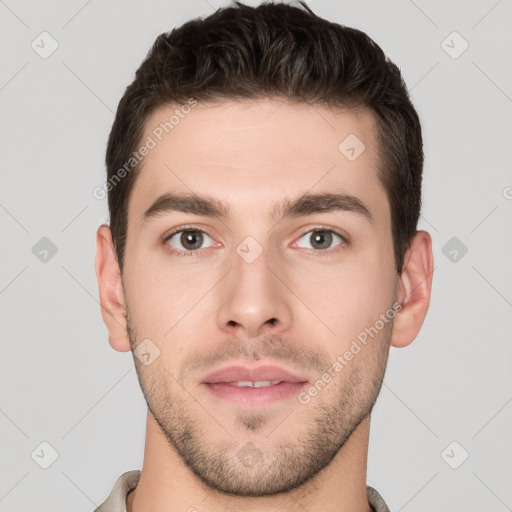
[[189, 203]]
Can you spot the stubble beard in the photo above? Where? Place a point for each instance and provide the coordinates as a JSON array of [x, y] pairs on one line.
[[243, 468]]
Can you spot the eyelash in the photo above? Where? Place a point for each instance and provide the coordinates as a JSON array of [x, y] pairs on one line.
[[190, 227]]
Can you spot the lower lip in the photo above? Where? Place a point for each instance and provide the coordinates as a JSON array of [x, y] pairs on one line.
[[253, 397]]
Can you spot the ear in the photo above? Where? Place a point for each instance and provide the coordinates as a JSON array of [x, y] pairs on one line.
[[110, 286], [414, 289]]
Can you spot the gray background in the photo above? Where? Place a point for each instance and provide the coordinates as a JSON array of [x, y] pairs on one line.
[[61, 383]]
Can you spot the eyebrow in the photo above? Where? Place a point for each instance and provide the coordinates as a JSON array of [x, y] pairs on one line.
[[307, 204]]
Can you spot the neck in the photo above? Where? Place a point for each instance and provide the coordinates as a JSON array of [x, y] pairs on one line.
[[168, 485]]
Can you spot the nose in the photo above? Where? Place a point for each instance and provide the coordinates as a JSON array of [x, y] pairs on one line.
[[254, 299]]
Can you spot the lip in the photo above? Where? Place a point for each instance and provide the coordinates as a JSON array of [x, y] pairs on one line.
[[218, 385], [252, 373]]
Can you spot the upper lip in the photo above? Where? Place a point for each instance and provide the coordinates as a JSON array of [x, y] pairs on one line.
[[236, 373]]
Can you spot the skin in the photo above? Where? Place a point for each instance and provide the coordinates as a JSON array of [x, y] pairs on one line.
[[212, 307]]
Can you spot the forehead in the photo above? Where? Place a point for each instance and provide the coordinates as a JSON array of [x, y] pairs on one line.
[[250, 154]]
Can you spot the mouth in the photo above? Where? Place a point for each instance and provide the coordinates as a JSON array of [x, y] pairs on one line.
[[253, 386], [250, 384]]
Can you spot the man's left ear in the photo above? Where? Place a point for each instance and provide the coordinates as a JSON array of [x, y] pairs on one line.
[[414, 289]]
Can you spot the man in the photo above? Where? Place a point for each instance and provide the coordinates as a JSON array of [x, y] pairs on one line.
[[264, 179]]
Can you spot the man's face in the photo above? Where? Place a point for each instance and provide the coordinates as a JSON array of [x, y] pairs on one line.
[[256, 288]]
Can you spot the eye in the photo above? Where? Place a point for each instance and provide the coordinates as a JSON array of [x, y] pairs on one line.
[[191, 240], [320, 239], [188, 241]]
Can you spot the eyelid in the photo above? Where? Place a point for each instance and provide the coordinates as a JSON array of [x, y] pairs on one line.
[[186, 227], [320, 227]]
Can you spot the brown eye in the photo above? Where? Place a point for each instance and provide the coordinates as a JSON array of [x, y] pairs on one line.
[[321, 239], [188, 240]]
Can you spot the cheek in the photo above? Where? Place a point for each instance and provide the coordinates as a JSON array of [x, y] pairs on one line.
[[348, 298], [149, 298], [164, 297]]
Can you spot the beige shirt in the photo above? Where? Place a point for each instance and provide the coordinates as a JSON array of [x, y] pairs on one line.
[[116, 501]]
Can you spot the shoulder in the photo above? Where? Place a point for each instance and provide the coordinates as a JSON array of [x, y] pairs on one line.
[[375, 500], [116, 501]]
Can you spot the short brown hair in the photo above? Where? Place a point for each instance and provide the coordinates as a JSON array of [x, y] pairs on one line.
[[273, 51]]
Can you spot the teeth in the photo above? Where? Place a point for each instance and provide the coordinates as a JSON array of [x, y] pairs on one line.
[[257, 384]]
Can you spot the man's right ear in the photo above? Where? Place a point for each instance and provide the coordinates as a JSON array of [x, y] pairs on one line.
[[110, 285]]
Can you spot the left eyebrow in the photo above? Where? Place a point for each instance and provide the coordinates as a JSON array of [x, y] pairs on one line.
[[306, 204], [309, 204]]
